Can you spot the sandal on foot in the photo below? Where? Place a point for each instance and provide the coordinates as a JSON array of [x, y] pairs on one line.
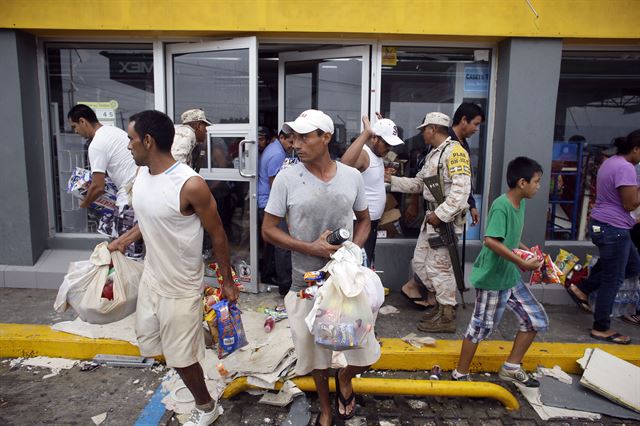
[[344, 401], [631, 319], [582, 304], [614, 338]]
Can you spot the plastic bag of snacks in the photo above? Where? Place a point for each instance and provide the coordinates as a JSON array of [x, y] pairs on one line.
[[524, 255], [566, 261], [103, 289], [548, 273], [342, 315], [230, 330], [79, 183]]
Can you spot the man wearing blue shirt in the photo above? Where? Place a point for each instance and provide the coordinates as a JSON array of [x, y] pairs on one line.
[[276, 262]]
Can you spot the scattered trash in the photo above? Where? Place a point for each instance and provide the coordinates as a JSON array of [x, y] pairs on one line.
[[532, 395], [487, 374], [388, 309], [418, 341], [574, 396], [136, 381], [99, 419], [123, 361], [557, 373], [88, 366], [181, 395], [435, 373], [613, 378], [120, 330], [417, 404], [284, 397], [54, 364], [299, 413]]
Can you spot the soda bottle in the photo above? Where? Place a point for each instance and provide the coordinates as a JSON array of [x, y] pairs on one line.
[[269, 323], [338, 236]]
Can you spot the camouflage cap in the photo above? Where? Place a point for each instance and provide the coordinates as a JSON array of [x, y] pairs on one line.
[[196, 114]]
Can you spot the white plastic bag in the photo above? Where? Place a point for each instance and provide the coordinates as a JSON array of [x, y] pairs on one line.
[[343, 314], [83, 284]]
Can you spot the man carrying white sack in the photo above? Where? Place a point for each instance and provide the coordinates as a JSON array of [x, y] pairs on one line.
[[174, 205], [318, 195]]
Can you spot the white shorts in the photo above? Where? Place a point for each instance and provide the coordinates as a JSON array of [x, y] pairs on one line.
[[169, 327], [314, 357]]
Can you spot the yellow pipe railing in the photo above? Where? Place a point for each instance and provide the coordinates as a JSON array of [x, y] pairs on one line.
[[373, 386]]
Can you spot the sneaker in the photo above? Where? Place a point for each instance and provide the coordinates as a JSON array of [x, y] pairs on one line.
[[518, 376], [202, 418], [461, 377]]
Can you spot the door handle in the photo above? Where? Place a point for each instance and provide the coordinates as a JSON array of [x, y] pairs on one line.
[[242, 154]]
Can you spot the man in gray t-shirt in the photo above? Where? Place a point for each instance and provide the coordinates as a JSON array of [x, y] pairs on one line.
[[318, 195]]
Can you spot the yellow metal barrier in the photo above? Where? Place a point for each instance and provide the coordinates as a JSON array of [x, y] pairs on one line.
[[372, 386]]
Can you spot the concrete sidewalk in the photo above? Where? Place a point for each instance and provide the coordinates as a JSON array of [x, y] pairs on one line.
[[568, 324]]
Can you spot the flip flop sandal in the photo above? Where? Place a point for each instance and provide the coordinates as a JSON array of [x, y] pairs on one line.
[[413, 300], [582, 304], [631, 319], [612, 339], [344, 401]]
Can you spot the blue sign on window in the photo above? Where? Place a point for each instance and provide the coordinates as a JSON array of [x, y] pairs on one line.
[[476, 78]]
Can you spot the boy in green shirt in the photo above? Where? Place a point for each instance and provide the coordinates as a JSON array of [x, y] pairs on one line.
[[497, 280]]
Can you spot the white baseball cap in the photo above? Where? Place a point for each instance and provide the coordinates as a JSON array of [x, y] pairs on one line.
[[437, 118], [309, 121], [387, 130]]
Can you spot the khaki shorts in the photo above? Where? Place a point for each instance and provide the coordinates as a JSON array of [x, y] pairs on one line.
[[315, 357], [169, 327]]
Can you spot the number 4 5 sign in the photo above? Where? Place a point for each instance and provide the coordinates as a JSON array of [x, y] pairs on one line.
[[105, 111]]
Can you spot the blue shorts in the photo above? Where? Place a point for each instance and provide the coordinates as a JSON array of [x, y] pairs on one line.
[[490, 306]]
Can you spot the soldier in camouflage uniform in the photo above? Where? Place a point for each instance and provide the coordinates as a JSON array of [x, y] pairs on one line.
[[433, 265]]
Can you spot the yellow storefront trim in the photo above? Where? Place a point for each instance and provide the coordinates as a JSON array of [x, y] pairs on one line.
[[27, 340], [484, 18]]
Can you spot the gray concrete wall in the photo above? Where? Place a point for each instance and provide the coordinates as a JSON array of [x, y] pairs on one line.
[[526, 93], [23, 207]]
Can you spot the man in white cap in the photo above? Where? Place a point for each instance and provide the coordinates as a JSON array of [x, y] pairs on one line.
[[318, 195], [366, 154], [432, 265], [197, 120]]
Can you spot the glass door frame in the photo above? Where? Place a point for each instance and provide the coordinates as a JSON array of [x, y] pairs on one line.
[[248, 155], [362, 51]]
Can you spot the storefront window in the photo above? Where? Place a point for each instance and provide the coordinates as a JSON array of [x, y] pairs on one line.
[[598, 101], [116, 81], [415, 81]]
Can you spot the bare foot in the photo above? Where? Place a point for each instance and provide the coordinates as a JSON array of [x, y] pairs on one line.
[[324, 418]]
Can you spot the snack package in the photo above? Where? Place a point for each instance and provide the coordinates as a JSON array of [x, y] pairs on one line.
[[230, 330], [79, 183], [548, 273], [565, 261], [234, 276], [523, 254]]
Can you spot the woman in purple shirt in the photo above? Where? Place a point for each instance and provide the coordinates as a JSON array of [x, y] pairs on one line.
[[617, 195]]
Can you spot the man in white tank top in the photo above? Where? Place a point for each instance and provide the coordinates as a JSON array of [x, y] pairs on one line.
[[173, 204], [366, 154]]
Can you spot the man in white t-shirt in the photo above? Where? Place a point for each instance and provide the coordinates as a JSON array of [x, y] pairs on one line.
[[108, 155], [366, 154]]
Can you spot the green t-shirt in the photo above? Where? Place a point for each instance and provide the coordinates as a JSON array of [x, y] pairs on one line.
[[505, 222]]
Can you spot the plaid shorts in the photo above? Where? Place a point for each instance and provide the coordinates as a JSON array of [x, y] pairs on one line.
[[490, 306]]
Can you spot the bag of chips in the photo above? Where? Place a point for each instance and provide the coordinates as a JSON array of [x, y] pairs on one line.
[[548, 273], [230, 330], [565, 261]]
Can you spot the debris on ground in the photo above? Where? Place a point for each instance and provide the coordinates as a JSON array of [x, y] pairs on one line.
[[299, 413], [546, 412], [557, 373], [287, 393], [54, 364], [611, 377], [418, 341], [99, 419], [123, 361], [120, 330], [388, 309]]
